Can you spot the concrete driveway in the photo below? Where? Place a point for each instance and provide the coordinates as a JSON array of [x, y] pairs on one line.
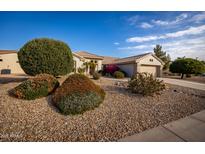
[[189, 84]]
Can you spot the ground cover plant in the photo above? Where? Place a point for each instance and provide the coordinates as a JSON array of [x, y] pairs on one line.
[[39, 86]]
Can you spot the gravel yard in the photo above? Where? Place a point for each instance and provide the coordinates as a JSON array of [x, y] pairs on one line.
[[121, 114]]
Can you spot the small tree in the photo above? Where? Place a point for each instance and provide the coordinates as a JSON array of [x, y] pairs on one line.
[[92, 67], [163, 56], [187, 66]]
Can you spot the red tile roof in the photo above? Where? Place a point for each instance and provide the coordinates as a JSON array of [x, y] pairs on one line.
[[7, 52], [89, 55]]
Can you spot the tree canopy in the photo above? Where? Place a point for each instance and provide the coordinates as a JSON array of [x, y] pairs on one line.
[[45, 55], [187, 66], [163, 56]]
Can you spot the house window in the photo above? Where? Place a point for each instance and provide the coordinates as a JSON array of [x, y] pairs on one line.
[[91, 61], [17, 61], [96, 61], [1, 59], [151, 60]]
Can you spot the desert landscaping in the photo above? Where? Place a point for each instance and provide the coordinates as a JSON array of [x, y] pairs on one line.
[[55, 100], [121, 114]]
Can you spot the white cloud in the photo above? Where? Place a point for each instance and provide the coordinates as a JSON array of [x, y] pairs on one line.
[[146, 25], [142, 39], [132, 20], [186, 32], [160, 22], [116, 43], [178, 19], [198, 17], [189, 47], [133, 47]]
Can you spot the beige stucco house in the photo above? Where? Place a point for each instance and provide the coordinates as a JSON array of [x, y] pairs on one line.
[[141, 63], [89, 57], [9, 61]]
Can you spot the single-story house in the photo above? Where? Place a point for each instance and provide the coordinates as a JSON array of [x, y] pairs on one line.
[[108, 60], [147, 62], [89, 57], [9, 62], [141, 63]]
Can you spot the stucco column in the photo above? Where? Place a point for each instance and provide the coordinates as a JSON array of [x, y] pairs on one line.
[[137, 68], [159, 71]]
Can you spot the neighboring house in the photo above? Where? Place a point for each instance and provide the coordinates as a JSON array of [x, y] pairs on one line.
[[141, 63], [108, 60], [9, 62], [89, 57]]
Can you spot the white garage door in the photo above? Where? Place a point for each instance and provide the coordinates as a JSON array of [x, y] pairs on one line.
[[149, 69]]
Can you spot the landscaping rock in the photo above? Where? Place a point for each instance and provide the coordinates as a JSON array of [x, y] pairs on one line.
[[121, 114]]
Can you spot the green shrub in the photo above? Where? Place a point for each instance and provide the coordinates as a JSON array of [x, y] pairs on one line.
[[145, 84], [46, 56], [39, 86], [187, 66], [77, 94], [81, 70], [96, 75], [118, 74]]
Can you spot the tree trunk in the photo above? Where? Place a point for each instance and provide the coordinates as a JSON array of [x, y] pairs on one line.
[[188, 75], [182, 76]]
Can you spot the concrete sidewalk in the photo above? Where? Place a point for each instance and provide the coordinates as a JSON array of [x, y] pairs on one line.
[[188, 129], [189, 84]]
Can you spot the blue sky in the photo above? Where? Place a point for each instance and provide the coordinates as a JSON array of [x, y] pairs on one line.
[[117, 34]]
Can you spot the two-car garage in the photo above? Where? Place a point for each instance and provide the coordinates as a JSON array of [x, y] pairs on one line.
[[149, 69], [142, 63]]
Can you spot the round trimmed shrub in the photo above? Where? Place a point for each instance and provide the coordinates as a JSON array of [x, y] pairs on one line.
[[46, 56], [36, 87], [96, 75], [119, 74], [77, 94]]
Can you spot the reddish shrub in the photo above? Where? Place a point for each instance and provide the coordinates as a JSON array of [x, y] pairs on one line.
[[77, 94], [111, 68]]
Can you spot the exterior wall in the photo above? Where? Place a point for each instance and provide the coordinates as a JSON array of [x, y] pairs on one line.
[[10, 61], [99, 63], [129, 69], [148, 64], [77, 62], [146, 61]]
